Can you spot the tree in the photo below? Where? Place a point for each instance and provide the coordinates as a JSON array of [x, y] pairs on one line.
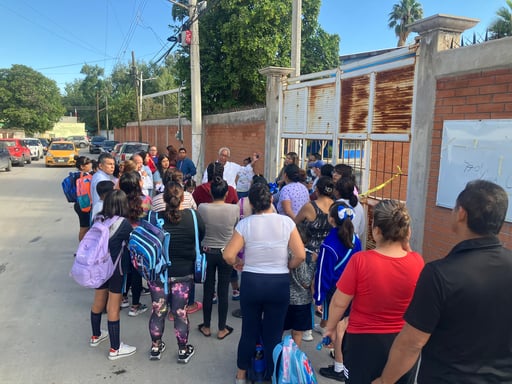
[[403, 13], [502, 26], [28, 100], [237, 38]]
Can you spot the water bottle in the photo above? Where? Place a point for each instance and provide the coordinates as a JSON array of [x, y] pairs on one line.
[[325, 341], [259, 363]]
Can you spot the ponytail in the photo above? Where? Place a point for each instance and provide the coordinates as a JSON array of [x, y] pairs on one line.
[[343, 215]]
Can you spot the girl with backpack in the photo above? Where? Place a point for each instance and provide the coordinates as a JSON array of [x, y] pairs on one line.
[[84, 166], [138, 207], [109, 294], [180, 225], [335, 252]]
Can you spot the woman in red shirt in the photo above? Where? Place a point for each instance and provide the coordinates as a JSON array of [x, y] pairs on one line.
[[379, 283]]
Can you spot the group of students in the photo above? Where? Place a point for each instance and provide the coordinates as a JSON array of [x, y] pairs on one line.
[[297, 252]]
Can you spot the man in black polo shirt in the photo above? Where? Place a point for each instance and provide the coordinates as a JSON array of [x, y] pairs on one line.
[[460, 317]]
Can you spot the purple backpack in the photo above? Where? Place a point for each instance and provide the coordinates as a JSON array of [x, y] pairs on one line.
[[93, 264]]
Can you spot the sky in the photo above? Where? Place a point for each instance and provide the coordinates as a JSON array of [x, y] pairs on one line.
[[57, 37]]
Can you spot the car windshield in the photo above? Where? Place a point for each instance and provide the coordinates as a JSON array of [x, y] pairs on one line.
[[133, 148], [62, 147], [98, 139], [32, 142], [10, 143]]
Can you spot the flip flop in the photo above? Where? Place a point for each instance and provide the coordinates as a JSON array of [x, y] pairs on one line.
[[230, 331], [198, 307], [201, 329]]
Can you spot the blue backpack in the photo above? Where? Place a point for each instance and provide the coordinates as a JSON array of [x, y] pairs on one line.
[[291, 365], [149, 249], [69, 186]]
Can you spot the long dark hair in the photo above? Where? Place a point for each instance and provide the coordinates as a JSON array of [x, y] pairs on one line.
[[130, 183], [159, 164], [219, 188], [115, 204], [345, 188], [343, 215], [173, 195]]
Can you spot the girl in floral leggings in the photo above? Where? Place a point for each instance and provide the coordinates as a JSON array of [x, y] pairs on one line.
[[181, 227]]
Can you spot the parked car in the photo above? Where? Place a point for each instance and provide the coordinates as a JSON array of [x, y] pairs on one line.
[[128, 149], [5, 157], [45, 143], [36, 148], [79, 141], [108, 145], [95, 144], [20, 154], [115, 151], [61, 153]]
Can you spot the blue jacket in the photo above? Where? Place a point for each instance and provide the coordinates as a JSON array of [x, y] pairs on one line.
[[187, 167], [331, 253]]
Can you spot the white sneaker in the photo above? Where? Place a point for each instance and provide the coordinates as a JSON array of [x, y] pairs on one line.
[[307, 335], [319, 329], [123, 351], [96, 340]]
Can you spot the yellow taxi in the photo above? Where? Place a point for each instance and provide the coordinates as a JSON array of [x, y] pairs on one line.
[[61, 153]]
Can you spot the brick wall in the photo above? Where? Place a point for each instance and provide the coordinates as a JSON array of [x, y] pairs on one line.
[[242, 132], [478, 95]]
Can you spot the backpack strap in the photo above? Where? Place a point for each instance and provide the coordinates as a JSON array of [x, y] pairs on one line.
[[276, 357], [198, 252], [241, 201], [346, 255]]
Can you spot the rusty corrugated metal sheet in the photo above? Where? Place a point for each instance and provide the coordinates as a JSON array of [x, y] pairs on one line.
[[294, 110], [322, 108], [393, 101], [355, 95]]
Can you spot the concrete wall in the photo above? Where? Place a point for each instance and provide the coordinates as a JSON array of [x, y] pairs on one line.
[[467, 83]]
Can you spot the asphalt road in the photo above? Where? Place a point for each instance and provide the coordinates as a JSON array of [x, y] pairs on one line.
[[45, 324]]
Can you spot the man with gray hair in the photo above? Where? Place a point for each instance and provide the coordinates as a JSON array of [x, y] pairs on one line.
[[230, 169], [460, 317]]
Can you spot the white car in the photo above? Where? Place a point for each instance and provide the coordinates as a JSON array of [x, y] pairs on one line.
[[36, 148]]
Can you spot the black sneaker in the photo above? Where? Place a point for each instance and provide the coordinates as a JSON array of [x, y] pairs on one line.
[[156, 352], [329, 373], [184, 355]]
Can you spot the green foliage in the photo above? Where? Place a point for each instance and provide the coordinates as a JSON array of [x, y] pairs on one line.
[[28, 100], [239, 37], [403, 13], [502, 26]]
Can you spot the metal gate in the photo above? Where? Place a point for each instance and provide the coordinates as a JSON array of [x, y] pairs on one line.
[[358, 114]]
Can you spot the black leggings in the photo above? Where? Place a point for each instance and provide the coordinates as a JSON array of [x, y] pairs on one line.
[[216, 265], [365, 356]]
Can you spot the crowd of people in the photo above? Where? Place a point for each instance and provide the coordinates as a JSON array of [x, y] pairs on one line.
[[299, 251]]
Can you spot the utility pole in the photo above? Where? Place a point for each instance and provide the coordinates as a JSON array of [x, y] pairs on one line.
[[296, 36], [195, 87], [137, 103], [106, 116], [98, 112]]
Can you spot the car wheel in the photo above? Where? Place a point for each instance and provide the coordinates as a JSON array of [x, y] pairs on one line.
[[41, 156], [29, 160], [21, 163], [9, 166]]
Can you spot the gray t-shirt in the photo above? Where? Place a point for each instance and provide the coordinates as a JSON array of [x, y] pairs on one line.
[[219, 221]]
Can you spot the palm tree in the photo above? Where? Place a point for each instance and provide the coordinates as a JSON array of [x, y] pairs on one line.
[[502, 26], [404, 13]]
